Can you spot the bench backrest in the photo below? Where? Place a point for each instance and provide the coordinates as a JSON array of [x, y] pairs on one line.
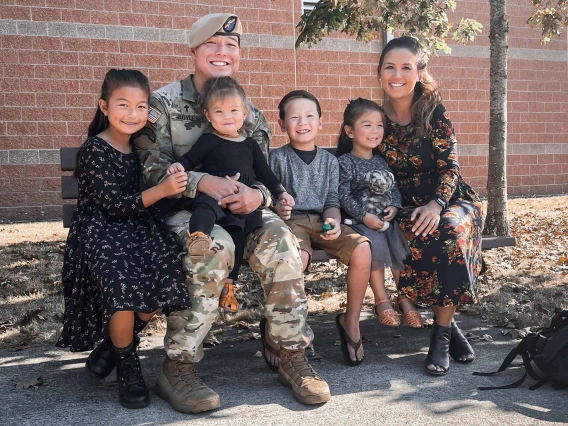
[[69, 187], [70, 191]]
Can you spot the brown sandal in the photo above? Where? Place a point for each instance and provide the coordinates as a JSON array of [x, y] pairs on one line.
[[197, 245], [411, 318], [228, 301], [387, 317]]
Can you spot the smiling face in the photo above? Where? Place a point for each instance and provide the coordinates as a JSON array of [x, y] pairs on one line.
[[217, 57], [226, 115], [367, 131], [301, 122], [126, 110], [399, 73]]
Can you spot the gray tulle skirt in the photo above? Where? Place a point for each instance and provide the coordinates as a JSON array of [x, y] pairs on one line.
[[388, 248]]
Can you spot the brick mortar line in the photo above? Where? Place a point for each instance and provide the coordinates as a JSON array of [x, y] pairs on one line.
[[131, 33], [39, 156]]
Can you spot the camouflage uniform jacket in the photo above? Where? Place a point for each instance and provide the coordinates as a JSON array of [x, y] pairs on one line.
[[175, 123]]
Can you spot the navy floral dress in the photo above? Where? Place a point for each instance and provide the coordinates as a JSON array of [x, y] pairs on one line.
[[118, 256], [443, 268]]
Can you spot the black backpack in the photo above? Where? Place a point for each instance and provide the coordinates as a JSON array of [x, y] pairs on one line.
[[547, 349]]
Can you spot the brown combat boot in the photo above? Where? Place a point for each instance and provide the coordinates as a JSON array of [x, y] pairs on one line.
[[179, 385], [296, 372]]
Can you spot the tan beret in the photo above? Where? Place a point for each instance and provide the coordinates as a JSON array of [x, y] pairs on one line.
[[214, 24]]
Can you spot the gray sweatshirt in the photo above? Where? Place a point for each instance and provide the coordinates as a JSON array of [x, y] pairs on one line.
[[313, 186]]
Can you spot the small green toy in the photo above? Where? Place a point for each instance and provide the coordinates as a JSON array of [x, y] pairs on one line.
[[326, 227]]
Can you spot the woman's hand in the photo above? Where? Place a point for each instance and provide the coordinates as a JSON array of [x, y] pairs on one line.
[[373, 222], [427, 218]]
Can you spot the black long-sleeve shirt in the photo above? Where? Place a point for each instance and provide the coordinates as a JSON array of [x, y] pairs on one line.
[[222, 157]]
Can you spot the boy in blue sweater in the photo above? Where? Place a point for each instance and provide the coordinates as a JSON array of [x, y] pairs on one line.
[[311, 176]]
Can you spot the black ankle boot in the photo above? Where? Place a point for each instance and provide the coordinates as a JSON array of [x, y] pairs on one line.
[[439, 349], [103, 358], [132, 390], [459, 346]]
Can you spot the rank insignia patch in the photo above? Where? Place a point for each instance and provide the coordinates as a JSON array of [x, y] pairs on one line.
[[153, 115], [230, 24]]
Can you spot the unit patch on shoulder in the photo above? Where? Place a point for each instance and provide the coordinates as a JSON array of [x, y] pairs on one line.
[[153, 115]]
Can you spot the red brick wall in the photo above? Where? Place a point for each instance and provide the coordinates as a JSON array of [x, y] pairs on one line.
[[54, 54]]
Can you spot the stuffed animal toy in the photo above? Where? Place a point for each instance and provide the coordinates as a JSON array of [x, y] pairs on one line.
[[378, 198]]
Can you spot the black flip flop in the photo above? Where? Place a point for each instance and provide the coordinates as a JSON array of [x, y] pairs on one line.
[[346, 340], [266, 346]]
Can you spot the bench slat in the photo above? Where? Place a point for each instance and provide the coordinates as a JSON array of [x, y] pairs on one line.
[[493, 241], [69, 188], [68, 158], [68, 210]]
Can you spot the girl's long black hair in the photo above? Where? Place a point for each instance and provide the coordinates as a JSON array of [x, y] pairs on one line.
[[114, 79], [355, 109]]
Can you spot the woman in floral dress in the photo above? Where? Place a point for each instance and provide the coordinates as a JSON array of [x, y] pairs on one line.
[[442, 215]]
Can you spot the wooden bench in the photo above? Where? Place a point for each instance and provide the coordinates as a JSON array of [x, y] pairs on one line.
[[70, 191]]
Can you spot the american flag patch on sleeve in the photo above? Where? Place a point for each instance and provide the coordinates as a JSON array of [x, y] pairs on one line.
[[153, 115]]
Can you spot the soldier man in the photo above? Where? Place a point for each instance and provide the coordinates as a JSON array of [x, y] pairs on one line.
[[175, 124]]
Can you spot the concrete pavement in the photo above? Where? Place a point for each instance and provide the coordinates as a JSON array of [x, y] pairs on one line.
[[390, 386]]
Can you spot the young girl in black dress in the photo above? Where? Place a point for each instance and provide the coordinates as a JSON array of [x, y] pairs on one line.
[[120, 264], [224, 152]]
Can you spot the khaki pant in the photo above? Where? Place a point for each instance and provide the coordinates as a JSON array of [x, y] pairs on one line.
[[308, 230]]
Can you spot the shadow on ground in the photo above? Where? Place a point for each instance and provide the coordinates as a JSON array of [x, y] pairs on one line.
[[389, 387]]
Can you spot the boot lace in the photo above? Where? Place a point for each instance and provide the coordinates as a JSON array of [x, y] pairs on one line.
[[188, 374], [301, 365], [131, 372]]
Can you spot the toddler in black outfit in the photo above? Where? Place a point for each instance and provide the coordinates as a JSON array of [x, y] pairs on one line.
[[226, 153]]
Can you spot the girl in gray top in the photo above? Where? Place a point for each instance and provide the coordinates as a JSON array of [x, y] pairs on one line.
[[370, 199]]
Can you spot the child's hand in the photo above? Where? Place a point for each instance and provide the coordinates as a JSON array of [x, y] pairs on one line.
[[287, 199], [282, 209], [175, 168], [334, 232], [373, 222], [174, 184], [390, 213]]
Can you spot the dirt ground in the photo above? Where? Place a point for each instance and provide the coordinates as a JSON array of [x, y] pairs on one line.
[[523, 286]]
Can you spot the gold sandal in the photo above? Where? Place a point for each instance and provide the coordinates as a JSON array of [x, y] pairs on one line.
[[228, 301], [387, 317], [197, 245], [411, 318]]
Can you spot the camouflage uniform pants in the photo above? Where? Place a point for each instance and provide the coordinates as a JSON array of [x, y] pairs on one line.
[[273, 252]]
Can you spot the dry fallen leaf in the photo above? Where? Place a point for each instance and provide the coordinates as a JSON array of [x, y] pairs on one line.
[[144, 344], [257, 354], [20, 347], [241, 324], [30, 383]]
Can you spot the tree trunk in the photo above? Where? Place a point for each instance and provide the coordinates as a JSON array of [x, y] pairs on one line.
[[497, 221]]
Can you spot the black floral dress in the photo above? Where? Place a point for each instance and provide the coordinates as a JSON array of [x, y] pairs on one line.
[[118, 256], [442, 269]]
